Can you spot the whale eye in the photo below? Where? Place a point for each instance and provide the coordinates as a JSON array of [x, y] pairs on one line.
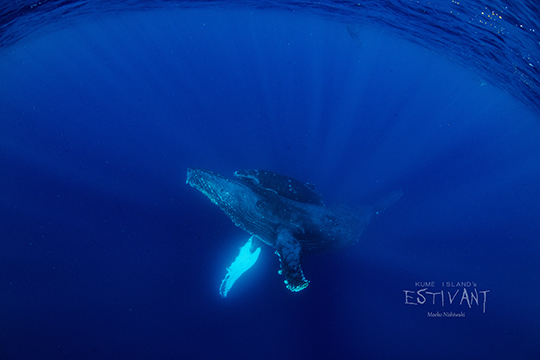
[[260, 203]]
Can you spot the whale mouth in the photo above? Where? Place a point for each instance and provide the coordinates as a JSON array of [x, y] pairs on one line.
[[199, 178], [236, 199], [212, 185]]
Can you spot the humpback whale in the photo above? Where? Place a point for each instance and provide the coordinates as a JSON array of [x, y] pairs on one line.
[[284, 213]]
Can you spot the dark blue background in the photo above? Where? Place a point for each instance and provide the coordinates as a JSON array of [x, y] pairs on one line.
[[108, 254]]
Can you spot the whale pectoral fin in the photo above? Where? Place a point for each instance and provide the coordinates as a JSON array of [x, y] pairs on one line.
[[249, 253], [289, 251]]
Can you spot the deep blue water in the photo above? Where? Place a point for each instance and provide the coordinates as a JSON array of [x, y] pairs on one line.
[[108, 254]]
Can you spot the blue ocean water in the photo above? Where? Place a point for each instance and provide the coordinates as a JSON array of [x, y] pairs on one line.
[[107, 253]]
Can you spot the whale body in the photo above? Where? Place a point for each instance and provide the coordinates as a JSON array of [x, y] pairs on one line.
[[284, 213]]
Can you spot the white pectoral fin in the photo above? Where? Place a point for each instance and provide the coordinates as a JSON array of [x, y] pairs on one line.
[[249, 253]]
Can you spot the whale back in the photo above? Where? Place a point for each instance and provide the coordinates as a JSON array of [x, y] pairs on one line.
[[282, 185]]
